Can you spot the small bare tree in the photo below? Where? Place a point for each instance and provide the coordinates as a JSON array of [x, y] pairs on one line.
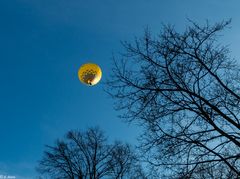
[[184, 89], [86, 155]]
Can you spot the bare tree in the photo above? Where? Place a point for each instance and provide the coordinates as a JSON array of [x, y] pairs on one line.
[[85, 155], [184, 89]]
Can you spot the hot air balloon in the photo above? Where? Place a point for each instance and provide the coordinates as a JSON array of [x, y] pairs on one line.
[[89, 74]]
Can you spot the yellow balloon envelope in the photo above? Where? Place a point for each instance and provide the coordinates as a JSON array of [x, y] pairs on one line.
[[89, 74]]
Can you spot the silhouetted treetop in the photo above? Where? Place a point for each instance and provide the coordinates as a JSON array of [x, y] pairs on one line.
[[87, 155], [183, 88]]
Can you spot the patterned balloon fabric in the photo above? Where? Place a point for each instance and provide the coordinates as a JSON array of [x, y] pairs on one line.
[[89, 74]]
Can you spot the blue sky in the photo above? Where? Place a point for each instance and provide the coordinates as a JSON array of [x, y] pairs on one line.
[[42, 45]]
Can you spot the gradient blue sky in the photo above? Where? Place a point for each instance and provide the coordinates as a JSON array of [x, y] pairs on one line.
[[42, 45]]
